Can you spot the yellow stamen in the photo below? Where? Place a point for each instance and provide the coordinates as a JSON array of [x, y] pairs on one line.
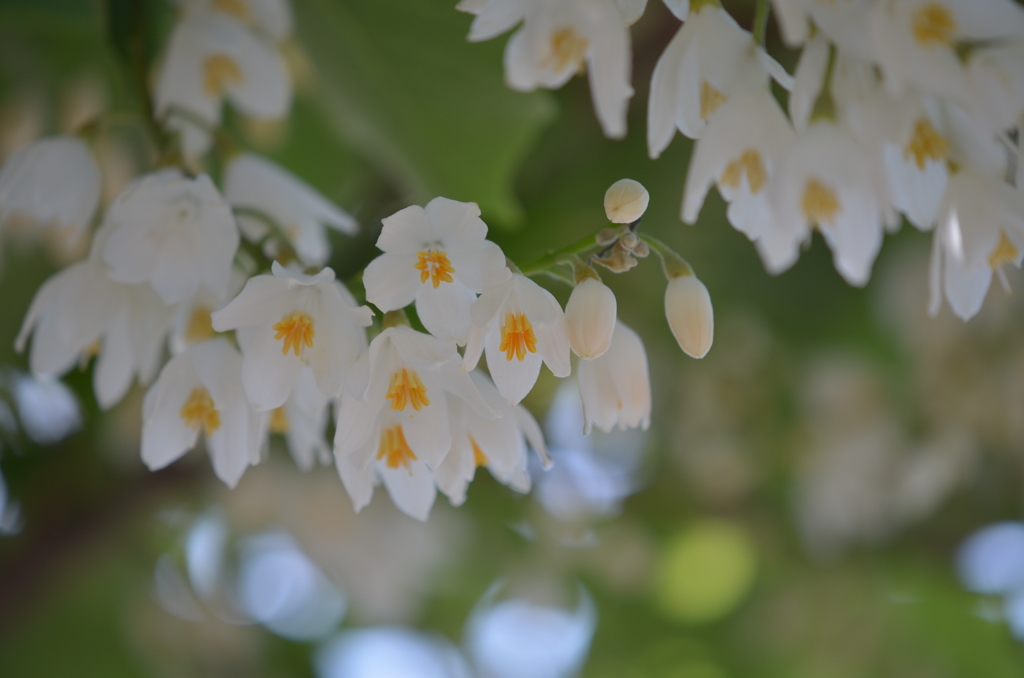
[[1004, 253], [820, 204], [566, 51], [749, 163], [925, 144], [219, 71], [200, 326], [479, 458], [236, 8], [407, 389], [933, 24], [710, 99], [434, 266], [296, 329], [517, 337], [279, 421], [199, 411], [393, 449]]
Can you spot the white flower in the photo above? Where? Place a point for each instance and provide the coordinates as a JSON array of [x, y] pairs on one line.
[[557, 38], [254, 182], [302, 420], [708, 61], [981, 230], [176, 233], [825, 179], [916, 164], [80, 312], [845, 23], [287, 321], [395, 426], [201, 390], [271, 17], [438, 256], [590, 315], [738, 152], [52, 181], [192, 318], [519, 324], [625, 201], [690, 315], [616, 388], [210, 55], [995, 74], [916, 41], [499, 444]]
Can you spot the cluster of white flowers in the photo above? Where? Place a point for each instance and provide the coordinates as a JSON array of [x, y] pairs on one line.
[[896, 107]]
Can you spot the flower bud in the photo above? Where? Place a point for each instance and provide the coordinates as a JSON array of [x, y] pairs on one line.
[[625, 201], [689, 313], [591, 316]]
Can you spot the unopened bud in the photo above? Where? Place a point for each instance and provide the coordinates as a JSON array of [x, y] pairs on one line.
[[690, 315], [607, 236], [590, 314], [625, 201], [629, 240], [619, 260], [641, 250]]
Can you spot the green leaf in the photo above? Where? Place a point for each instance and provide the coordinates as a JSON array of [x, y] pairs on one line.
[[404, 87]]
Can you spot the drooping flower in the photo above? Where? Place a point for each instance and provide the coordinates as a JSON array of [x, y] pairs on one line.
[[439, 257], [54, 181], [590, 316], [519, 324], [393, 417], [253, 182], [302, 420], [690, 314], [210, 56], [176, 233], [201, 390], [557, 39], [498, 443], [271, 17], [287, 321], [616, 388]]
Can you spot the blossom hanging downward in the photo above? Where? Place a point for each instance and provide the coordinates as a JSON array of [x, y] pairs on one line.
[[287, 321], [616, 388]]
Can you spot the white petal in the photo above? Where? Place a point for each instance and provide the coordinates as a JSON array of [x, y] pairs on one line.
[[412, 489]]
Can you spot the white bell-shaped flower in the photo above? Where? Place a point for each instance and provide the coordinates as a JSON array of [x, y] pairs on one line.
[[708, 61], [273, 18], [916, 164], [737, 152], [690, 315], [210, 56], [980, 231], [393, 417], [254, 182], [499, 443], [519, 324], [193, 322], [616, 388], [287, 321], [176, 233], [590, 315], [439, 257], [201, 390], [302, 420], [54, 181], [558, 38]]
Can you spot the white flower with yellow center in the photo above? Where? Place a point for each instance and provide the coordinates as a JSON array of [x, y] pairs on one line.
[[826, 180], [54, 181], [201, 390], [708, 61], [916, 41], [980, 231], [439, 257], [916, 164], [254, 182], [270, 17], [212, 56], [302, 420], [287, 321], [499, 444], [558, 39], [737, 152], [616, 388], [176, 233], [80, 312], [193, 322], [393, 417], [519, 324]]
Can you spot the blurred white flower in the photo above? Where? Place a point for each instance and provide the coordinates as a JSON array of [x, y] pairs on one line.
[[690, 315], [287, 321], [991, 560], [519, 324], [389, 652], [616, 387], [271, 17], [438, 256], [844, 23], [590, 316], [48, 410], [10, 511], [254, 182], [201, 389], [176, 233], [54, 181]]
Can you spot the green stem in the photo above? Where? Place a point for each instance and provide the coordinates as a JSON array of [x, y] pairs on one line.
[[672, 263], [285, 252], [760, 29], [555, 257]]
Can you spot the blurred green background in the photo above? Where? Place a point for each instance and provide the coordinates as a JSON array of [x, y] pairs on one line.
[[802, 490]]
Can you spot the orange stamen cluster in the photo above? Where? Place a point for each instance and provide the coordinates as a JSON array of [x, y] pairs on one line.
[[200, 411], [296, 331], [220, 71], [393, 450], [479, 458], [407, 389], [517, 337], [434, 266]]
